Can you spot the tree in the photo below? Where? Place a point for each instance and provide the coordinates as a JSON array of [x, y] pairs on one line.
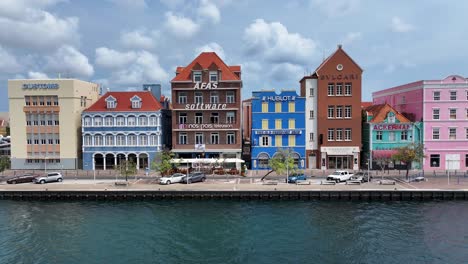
[[126, 167], [382, 160], [162, 162], [408, 154], [282, 162], [4, 163]]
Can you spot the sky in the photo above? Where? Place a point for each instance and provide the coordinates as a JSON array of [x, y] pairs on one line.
[[122, 44]]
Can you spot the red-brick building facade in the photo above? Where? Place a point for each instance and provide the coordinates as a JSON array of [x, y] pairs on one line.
[[206, 115]]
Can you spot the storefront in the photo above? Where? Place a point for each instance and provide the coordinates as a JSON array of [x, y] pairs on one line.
[[340, 158]]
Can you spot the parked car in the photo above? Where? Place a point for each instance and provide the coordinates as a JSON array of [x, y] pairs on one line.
[[50, 177], [361, 176], [194, 177], [22, 178], [293, 178], [339, 176], [174, 178]]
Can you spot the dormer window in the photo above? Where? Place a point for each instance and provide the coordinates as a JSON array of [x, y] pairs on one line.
[[111, 102], [391, 117], [136, 102], [213, 76], [197, 76]]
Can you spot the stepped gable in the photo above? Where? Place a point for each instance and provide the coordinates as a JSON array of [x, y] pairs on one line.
[[124, 104]]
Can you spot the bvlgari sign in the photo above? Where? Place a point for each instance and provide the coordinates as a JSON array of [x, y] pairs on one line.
[[343, 77], [205, 86]]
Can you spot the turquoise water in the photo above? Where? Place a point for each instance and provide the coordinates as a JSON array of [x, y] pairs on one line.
[[233, 232]]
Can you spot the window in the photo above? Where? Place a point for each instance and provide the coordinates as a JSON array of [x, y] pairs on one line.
[[378, 135], [183, 138], [110, 104], [311, 114], [55, 100], [404, 135], [347, 135], [143, 140], [264, 107], [435, 133], [142, 121], [120, 121], [214, 97], [452, 133], [292, 123], [34, 100], [331, 134], [277, 107], [198, 119], [214, 118], [348, 89], [466, 133], [131, 121], [231, 139], [347, 113], [214, 138], [265, 141], [292, 107], [311, 137], [27, 100], [43, 141], [391, 117], [403, 99], [87, 140], [435, 114], [435, 160], [339, 111], [109, 140], [213, 76], [230, 118], [278, 140], [453, 113], [153, 120], [98, 140], [197, 76], [391, 136], [136, 102], [131, 140], [56, 120], [453, 95], [120, 140], [466, 113], [43, 121], [182, 118], [331, 111], [109, 120], [230, 98], [41, 100], [153, 140], [292, 140], [311, 92], [49, 101], [466, 95], [339, 89], [278, 123], [97, 121], [86, 122], [264, 123], [331, 89], [198, 138], [436, 96], [182, 98], [51, 141], [339, 134], [466, 160], [198, 97]]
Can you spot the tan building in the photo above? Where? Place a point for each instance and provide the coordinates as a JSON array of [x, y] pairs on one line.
[[45, 122]]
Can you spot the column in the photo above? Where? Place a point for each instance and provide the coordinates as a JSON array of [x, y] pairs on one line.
[[104, 160], [138, 162]]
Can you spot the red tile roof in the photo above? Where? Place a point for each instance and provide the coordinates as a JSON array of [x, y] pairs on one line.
[[366, 104], [148, 102], [205, 60], [380, 111]]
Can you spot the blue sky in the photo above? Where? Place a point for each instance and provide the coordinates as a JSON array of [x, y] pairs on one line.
[[125, 43]]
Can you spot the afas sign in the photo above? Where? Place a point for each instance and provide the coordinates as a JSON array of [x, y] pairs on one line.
[[206, 86]]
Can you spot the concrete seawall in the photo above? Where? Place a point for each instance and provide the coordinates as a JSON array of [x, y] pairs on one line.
[[327, 195]]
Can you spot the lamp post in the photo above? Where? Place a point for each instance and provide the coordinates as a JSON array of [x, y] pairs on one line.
[[45, 164], [94, 170], [368, 170]]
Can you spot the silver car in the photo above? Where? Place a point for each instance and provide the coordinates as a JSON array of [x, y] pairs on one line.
[[50, 177], [176, 177]]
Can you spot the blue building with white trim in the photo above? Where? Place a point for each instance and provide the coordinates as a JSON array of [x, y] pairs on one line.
[[121, 126], [278, 122]]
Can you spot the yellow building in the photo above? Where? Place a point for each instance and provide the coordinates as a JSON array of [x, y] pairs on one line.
[[45, 122]]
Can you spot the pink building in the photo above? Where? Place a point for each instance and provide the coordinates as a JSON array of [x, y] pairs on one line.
[[442, 106]]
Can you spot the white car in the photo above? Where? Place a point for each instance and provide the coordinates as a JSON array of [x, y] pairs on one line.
[[339, 176], [174, 178]]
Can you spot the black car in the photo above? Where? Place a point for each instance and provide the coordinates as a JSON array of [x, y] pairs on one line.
[[22, 179], [194, 177]]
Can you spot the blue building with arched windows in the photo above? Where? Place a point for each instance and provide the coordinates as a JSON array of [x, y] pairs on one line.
[[278, 122], [121, 126]]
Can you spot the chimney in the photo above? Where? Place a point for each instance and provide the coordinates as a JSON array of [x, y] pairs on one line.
[[339, 46]]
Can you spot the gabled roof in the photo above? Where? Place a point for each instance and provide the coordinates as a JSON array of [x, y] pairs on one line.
[[379, 113], [205, 60], [339, 50], [365, 104], [124, 104]]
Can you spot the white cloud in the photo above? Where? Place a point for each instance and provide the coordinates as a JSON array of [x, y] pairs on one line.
[[133, 4], [276, 44], [69, 62], [351, 37], [181, 27], [211, 47], [286, 71], [109, 58], [336, 8], [24, 25], [103, 82], [139, 39], [37, 75], [208, 10], [173, 3], [8, 62], [398, 25]]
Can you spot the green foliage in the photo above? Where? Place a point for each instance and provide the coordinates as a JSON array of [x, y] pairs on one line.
[[162, 162], [4, 163], [126, 168], [409, 153], [282, 162]]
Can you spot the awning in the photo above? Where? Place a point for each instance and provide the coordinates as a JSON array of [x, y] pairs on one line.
[[383, 153]]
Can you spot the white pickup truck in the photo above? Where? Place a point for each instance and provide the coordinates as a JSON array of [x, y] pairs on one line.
[[339, 176]]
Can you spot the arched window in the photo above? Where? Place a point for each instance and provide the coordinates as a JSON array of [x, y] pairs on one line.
[[131, 121], [87, 140], [142, 121], [87, 121], [131, 140], [98, 140], [153, 120], [97, 121], [143, 140], [120, 140], [120, 121], [263, 159], [109, 121], [109, 140]]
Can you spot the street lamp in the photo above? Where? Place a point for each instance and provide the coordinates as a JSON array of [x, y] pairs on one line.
[[45, 164], [368, 170]]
